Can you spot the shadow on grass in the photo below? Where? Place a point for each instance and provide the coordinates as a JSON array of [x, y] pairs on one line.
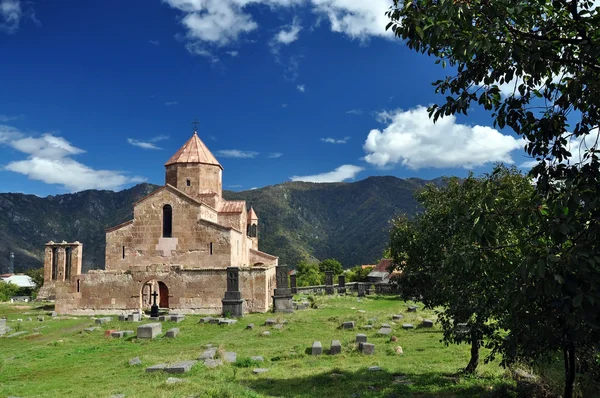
[[365, 383], [46, 307], [384, 298]]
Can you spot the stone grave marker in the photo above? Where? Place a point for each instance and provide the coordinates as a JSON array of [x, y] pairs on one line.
[[213, 363], [317, 348], [384, 331], [171, 333], [413, 308], [208, 354], [427, 323], [206, 319], [227, 322], [135, 361], [348, 325], [100, 321], [361, 338], [149, 330], [135, 317], [368, 348], [397, 317], [329, 282], [122, 333], [336, 347], [259, 371], [230, 357], [156, 368], [250, 326], [180, 367], [270, 322], [233, 304], [407, 326], [282, 296], [257, 358]]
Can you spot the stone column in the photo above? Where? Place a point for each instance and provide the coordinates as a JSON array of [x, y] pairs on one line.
[[293, 282], [342, 284], [76, 258], [233, 303], [282, 297], [329, 282], [48, 262], [61, 263]]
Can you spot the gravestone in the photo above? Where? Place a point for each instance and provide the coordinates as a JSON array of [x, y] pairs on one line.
[[368, 327], [233, 305], [135, 361], [342, 284], [100, 321], [163, 318], [54, 314], [3, 328], [329, 282], [122, 333], [156, 368], [177, 318], [336, 347], [294, 282], [212, 363], [154, 307], [413, 308], [89, 330], [180, 367], [257, 358], [361, 338], [282, 297], [208, 354], [384, 331], [270, 322], [361, 289], [259, 371], [407, 326], [171, 333], [368, 348], [135, 317], [230, 357], [250, 326], [397, 317], [206, 319], [348, 325], [317, 348], [427, 323], [374, 368], [227, 322], [266, 333], [122, 318], [149, 330]]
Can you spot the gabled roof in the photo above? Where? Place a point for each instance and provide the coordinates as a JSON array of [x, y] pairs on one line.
[[384, 265], [194, 151]]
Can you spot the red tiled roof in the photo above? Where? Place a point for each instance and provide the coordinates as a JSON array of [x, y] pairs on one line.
[[194, 151], [384, 265], [232, 206]]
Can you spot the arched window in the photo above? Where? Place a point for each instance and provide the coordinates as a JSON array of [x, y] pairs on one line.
[[253, 231], [167, 221]]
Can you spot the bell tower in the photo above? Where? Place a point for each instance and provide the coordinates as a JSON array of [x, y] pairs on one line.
[[194, 170], [252, 228]]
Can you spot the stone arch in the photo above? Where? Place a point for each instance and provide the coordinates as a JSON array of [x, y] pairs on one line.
[[146, 293]]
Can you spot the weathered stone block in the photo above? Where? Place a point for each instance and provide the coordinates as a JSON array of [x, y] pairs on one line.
[[397, 317], [206, 319], [336, 347], [259, 371], [361, 338], [122, 333], [407, 326], [427, 323], [177, 318], [413, 308], [149, 330], [171, 333], [135, 317], [100, 321], [208, 354], [135, 361], [384, 331], [368, 348], [227, 322], [230, 357], [270, 322], [348, 325], [317, 348], [156, 368], [257, 358], [180, 367]]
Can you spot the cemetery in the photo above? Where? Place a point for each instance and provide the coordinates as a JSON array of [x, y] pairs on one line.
[[348, 346]]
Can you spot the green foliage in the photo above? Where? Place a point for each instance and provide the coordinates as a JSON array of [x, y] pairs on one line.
[[8, 290], [331, 264], [37, 275], [308, 274], [450, 254], [358, 273], [549, 53]]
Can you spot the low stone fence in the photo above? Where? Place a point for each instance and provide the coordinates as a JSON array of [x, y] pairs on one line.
[[351, 287]]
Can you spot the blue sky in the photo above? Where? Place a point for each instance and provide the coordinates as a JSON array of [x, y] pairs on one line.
[[101, 94]]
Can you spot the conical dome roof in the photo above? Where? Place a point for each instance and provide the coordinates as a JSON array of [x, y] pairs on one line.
[[194, 151]]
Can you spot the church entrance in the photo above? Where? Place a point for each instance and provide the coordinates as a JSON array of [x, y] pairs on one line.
[[154, 288]]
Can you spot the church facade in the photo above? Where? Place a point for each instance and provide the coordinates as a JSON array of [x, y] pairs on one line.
[[177, 249]]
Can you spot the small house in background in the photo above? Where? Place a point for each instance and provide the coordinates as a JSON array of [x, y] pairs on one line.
[[22, 281], [20, 299], [381, 272]]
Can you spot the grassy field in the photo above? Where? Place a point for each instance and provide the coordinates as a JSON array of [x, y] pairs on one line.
[[61, 360]]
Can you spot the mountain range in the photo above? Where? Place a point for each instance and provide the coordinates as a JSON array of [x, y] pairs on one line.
[[297, 220]]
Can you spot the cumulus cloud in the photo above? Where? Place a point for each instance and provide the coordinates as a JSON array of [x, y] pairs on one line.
[[214, 24], [342, 173], [12, 12], [6, 118], [413, 140], [154, 42], [171, 103], [236, 153], [330, 140], [288, 34], [148, 144], [301, 88], [511, 88], [355, 112], [50, 160], [275, 155], [577, 147]]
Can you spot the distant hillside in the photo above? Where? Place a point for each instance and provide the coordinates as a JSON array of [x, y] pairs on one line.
[[347, 221]]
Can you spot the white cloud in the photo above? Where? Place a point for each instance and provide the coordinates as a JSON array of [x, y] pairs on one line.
[[342, 173], [50, 160], [214, 24], [233, 53], [10, 15], [508, 89], [413, 140], [284, 105], [171, 103], [236, 153], [149, 144], [154, 42], [6, 118], [301, 88], [288, 34], [275, 155], [577, 147], [355, 112], [330, 140]]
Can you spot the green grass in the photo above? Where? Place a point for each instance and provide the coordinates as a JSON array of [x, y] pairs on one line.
[[63, 361]]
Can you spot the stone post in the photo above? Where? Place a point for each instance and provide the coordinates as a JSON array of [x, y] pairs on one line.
[[282, 297], [361, 289], [293, 282], [232, 302], [61, 264], [342, 284], [329, 282]]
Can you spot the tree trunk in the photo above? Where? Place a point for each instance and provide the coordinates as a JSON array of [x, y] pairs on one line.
[[474, 355], [569, 354]]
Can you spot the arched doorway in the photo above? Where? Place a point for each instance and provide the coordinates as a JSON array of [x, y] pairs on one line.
[[148, 290]]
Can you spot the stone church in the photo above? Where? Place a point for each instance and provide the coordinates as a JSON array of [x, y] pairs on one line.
[[179, 244]]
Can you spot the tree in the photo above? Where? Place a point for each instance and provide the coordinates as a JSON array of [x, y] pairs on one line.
[[8, 290], [308, 274], [548, 54], [37, 275], [358, 273], [455, 266], [331, 264]]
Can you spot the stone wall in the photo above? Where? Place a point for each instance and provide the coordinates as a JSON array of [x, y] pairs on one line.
[[67, 259], [202, 177], [190, 290]]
